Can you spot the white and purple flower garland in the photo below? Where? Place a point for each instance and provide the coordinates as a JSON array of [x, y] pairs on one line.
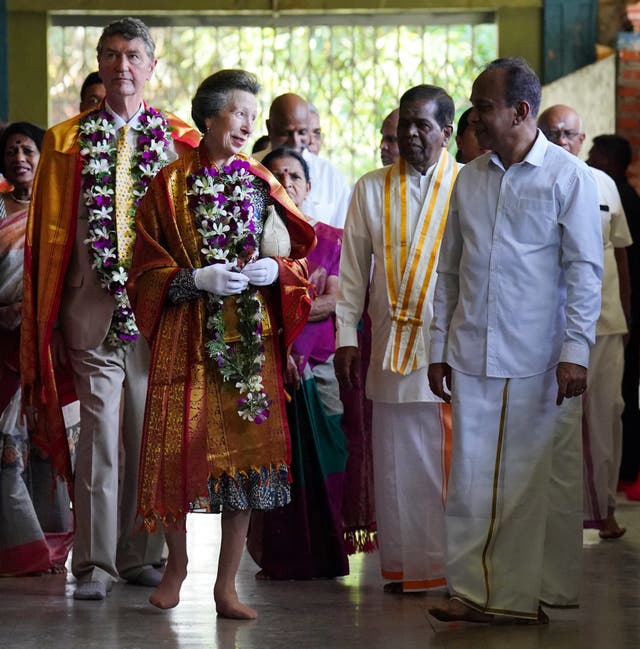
[[97, 141], [221, 201]]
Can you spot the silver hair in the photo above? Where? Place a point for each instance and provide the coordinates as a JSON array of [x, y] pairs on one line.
[[129, 28]]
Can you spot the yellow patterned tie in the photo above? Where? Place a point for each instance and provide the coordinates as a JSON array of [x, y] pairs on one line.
[[124, 197]]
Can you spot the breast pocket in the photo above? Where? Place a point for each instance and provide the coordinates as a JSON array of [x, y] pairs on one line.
[[534, 221]]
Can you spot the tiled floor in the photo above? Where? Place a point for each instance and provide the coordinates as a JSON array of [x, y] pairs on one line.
[[39, 612]]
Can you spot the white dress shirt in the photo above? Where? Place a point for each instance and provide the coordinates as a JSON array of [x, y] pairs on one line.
[[363, 257], [328, 199], [134, 124], [520, 266]]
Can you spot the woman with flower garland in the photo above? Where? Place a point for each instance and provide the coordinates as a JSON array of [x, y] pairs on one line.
[[219, 314], [304, 540]]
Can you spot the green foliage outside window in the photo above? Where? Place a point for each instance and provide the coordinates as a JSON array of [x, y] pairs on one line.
[[354, 74]]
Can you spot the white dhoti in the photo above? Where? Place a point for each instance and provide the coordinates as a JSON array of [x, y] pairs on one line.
[[410, 457], [602, 428], [514, 508]]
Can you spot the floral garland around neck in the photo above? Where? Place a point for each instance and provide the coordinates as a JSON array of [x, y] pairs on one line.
[[224, 212], [97, 141]]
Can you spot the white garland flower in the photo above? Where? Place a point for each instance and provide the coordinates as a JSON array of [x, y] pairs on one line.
[[120, 275], [97, 137]]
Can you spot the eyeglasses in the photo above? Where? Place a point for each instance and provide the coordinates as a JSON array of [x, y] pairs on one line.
[[563, 133]]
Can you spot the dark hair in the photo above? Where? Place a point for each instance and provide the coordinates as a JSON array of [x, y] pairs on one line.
[[260, 144], [129, 28], [20, 128], [463, 122], [286, 152], [445, 108], [521, 83], [92, 79], [615, 147], [212, 94]]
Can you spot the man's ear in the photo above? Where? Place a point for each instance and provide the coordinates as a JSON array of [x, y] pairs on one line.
[[152, 67], [522, 111], [447, 132]]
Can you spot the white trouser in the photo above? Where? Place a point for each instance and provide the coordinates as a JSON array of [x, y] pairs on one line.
[[602, 428], [410, 488], [514, 508]]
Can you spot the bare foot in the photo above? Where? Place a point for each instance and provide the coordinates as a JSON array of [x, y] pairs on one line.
[[263, 575], [455, 610], [542, 618], [167, 594], [228, 605], [611, 530], [58, 569]]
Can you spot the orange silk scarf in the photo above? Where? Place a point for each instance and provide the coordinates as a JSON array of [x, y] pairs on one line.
[[192, 430], [51, 231]]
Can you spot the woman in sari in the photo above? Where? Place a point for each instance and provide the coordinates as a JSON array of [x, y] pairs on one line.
[[35, 518], [304, 540], [218, 293]]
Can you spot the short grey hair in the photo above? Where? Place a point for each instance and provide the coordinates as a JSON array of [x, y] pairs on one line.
[[212, 94], [129, 28]]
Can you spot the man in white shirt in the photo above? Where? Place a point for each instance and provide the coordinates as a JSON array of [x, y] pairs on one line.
[[515, 308], [288, 125], [392, 236], [602, 401], [315, 130]]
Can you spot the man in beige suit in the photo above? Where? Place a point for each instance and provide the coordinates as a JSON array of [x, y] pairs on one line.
[[94, 169]]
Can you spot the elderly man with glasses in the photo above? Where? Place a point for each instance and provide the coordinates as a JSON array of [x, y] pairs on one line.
[[602, 402]]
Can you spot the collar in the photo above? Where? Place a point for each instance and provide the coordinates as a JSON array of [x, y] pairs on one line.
[[537, 152], [534, 157], [119, 122]]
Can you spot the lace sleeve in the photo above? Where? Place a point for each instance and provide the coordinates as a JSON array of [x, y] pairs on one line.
[[183, 287]]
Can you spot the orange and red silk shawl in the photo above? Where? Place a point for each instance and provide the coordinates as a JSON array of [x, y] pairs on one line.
[[192, 430], [50, 237]]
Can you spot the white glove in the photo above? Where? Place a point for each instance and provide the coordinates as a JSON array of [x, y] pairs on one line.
[[262, 272], [219, 279]]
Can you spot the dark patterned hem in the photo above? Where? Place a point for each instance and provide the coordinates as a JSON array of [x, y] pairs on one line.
[[263, 488]]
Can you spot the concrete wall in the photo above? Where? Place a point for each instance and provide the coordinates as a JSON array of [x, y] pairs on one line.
[[592, 92]]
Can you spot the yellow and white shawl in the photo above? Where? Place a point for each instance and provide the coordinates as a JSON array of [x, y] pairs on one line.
[[410, 258]]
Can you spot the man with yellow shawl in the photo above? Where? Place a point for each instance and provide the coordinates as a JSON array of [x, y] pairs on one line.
[[392, 237], [94, 169]]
